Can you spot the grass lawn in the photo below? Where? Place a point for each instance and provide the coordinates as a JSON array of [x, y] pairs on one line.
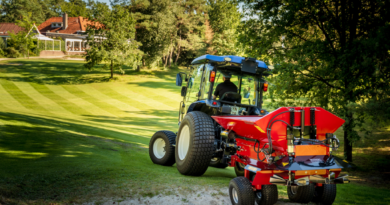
[[72, 136]]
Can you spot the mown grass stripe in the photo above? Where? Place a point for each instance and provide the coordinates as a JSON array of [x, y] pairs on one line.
[[21, 97], [142, 102], [93, 92], [99, 108], [78, 100], [59, 99], [10, 102], [45, 102], [157, 93]]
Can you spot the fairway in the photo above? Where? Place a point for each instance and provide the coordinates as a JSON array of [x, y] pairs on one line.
[[68, 135]]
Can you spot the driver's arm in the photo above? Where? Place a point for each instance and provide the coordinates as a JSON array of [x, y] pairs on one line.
[[214, 97]]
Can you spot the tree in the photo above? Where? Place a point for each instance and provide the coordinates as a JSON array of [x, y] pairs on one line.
[[224, 20], [169, 30], [111, 40], [75, 8], [13, 10], [332, 53], [23, 41]]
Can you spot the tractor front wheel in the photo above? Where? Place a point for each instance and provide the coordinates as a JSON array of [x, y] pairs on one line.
[[241, 192], [268, 195], [301, 194], [194, 144], [161, 148], [325, 194]]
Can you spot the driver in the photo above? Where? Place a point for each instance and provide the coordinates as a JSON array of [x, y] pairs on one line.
[[226, 86]]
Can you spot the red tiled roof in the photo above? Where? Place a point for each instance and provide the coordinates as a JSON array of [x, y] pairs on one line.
[[6, 28], [74, 24]]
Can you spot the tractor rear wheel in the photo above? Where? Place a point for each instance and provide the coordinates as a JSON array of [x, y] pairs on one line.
[[241, 192], [325, 194], [217, 163], [301, 194], [268, 195], [161, 148], [194, 144], [239, 169]]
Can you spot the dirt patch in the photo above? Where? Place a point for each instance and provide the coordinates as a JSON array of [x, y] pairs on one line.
[[201, 197]]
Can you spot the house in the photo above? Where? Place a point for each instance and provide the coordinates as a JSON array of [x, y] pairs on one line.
[[71, 29], [7, 28]]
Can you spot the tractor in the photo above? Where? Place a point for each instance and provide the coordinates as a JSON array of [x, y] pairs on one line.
[[290, 146]]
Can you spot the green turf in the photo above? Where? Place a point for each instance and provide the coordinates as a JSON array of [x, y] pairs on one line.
[[68, 135]]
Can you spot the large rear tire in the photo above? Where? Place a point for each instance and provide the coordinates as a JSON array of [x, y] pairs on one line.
[[325, 194], [269, 195], [301, 194], [241, 192], [195, 144], [161, 149]]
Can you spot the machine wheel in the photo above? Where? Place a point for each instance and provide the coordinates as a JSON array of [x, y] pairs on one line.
[[241, 192], [239, 169], [301, 194], [268, 195], [161, 149], [195, 144], [325, 194], [216, 162]]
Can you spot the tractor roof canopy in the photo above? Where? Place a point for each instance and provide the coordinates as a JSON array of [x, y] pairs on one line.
[[225, 59]]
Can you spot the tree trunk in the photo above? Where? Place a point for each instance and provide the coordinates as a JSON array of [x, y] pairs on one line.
[[347, 141], [166, 60], [112, 71], [178, 52], [170, 57]]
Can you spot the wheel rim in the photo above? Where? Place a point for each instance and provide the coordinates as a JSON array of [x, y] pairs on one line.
[[294, 189], [214, 159], [235, 195], [159, 148], [184, 142]]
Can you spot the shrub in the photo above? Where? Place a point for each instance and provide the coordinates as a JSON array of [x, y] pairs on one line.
[[12, 52]]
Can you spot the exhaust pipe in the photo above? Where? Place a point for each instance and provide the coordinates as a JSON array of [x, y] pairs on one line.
[[302, 181], [276, 179], [341, 180]]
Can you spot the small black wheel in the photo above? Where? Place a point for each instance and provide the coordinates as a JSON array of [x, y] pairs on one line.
[[241, 192], [301, 194], [161, 149], [194, 144], [217, 163], [268, 195], [325, 194], [239, 169]]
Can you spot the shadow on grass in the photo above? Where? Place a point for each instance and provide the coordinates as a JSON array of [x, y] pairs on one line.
[[167, 119]]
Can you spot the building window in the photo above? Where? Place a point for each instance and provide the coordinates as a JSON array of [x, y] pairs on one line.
[[56, 25]]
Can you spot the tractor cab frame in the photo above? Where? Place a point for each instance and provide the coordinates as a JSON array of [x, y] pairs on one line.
[[206, 73]]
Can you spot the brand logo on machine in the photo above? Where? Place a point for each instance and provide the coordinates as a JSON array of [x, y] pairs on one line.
[[284, 164]]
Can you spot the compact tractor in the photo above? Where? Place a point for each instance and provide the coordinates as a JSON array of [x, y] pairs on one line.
[[290, 146]]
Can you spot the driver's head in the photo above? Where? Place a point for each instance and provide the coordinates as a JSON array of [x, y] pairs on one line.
[[226, 77]]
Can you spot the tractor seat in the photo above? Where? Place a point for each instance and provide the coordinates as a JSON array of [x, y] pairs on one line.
[[231, 97]]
